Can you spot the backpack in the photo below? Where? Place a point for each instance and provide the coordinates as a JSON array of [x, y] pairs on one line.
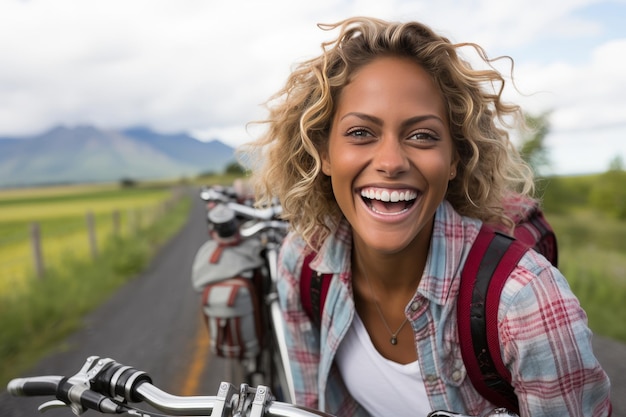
[[229, 277], [232, 316], [491, 259]]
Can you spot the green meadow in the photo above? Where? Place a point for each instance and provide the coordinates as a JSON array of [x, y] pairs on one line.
[[61, 214]]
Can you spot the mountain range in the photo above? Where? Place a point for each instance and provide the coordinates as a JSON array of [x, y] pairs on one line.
[[85, 154]]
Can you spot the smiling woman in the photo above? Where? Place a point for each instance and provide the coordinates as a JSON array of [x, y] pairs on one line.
[[388, 153]]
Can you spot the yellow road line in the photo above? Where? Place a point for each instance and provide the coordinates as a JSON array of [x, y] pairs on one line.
[[198, 362]]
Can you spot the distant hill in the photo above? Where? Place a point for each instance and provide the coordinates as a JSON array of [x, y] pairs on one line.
[[86, 154]]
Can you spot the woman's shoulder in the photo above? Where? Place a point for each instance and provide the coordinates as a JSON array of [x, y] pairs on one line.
[[535, 283]]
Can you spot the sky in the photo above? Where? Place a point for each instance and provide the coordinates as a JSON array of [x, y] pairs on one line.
[[206, 67]]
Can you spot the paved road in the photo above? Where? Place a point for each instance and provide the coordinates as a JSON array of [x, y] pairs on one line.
[[154, 324], [612, 356]]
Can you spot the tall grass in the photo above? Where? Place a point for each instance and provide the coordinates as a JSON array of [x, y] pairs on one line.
[[35, 317], [592, 256], [598, 279]]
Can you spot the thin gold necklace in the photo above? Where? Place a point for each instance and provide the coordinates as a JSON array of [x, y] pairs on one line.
[[394, 335]]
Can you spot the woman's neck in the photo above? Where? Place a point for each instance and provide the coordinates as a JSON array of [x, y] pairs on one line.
[[392, 272]]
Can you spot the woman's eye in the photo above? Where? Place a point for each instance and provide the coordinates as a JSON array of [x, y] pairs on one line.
[[424, 136], [359, 132]]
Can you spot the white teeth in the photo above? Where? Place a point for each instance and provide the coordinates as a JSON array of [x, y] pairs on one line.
[[386, 196]]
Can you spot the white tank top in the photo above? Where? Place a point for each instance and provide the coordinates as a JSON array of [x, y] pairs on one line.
[[383, 387]]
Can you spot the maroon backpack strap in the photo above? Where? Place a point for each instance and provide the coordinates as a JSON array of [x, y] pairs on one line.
[[313, 289], [305, 284], [491, 260], [536, 232]]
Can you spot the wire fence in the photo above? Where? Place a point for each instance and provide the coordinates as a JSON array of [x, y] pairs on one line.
[[44, 245]]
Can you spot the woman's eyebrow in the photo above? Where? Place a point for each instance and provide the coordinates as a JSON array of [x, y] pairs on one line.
[[405, 123], [363, 116]]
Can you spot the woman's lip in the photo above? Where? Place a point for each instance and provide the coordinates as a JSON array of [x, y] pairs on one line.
[[390, 217], [395, 187]]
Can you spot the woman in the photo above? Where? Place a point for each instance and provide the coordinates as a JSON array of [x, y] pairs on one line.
[[387, 153]]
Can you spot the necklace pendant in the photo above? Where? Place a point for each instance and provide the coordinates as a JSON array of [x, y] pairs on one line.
[[393, 340]]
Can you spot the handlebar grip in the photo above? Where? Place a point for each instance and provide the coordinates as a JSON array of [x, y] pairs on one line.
[[34, 386], [95, 401], [88, 399]]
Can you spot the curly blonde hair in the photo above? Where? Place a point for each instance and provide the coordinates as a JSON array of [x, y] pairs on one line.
[[286, 158]]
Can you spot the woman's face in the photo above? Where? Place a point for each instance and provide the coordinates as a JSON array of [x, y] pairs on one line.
[[390, 155]]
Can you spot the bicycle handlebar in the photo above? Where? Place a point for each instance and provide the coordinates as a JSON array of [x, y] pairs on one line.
[[217, 196], [252, 229], [268, 213], [107, 386]]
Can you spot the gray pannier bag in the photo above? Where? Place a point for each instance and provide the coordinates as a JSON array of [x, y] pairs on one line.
[[228, 275]]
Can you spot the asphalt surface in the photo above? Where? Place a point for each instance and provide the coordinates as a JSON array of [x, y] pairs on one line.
[[154, 324]]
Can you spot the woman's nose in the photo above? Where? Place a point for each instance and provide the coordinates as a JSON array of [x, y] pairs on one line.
[[390, 158]]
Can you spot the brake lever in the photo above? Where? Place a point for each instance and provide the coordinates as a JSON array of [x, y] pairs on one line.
[[496, 412], [80, 378], [77, 392], [49, 405], [80, 382]]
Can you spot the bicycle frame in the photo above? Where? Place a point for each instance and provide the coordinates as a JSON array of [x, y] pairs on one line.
[[277, 324]]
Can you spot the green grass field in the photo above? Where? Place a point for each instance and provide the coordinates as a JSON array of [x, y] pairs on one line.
[[61, 214]]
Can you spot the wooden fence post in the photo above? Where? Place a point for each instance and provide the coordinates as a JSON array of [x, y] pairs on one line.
[[133, 221], [91, 231], [35, 238], [116, 223]]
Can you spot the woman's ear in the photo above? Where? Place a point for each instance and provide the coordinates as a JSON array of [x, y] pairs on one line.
[[453, 166], [325, 163]]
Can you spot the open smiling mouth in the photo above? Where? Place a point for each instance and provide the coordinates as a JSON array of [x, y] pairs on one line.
[[388, 202]]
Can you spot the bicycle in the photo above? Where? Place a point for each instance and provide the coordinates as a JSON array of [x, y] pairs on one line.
[[229, 217], [109, 387]]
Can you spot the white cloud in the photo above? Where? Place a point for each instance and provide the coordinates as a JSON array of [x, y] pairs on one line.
[[207, 67], [588, 105]]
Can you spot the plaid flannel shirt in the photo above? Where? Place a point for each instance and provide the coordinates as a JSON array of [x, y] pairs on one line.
[[544, 337]]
